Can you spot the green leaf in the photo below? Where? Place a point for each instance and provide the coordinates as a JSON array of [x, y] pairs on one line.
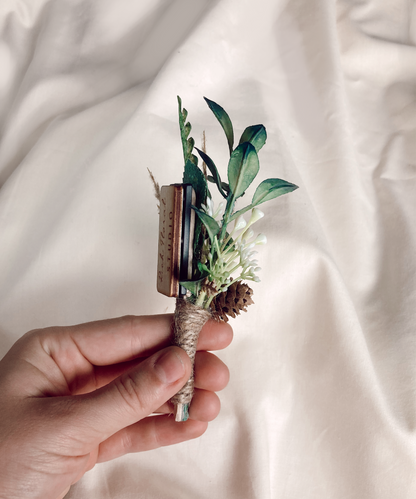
[[182, 117], [193, 159], [193, 286], [193, 175], [256, 135], [189, 146], [183, 113], [242, 168], [198, 241], [225, 186], [185, 130], [203, 269], [224, 120], [270, 189], [213, 169], [210, 223]]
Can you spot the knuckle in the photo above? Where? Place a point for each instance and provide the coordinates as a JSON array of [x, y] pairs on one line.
[[131, 322], [130, 393]]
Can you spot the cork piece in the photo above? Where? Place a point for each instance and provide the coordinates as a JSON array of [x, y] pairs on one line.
[[170, 233]]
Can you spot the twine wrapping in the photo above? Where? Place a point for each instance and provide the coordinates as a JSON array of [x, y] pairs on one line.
[[189, 319]]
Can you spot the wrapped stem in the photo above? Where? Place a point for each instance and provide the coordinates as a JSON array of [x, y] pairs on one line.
[[189, 319]]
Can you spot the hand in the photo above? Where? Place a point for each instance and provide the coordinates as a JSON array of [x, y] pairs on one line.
[[71, 397]]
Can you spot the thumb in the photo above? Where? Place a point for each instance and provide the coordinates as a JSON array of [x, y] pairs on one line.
[[133, 395]]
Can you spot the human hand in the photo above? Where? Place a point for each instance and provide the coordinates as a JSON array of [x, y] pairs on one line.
[[71, 397]]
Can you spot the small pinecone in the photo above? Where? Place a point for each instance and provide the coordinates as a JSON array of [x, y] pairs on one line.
[[231, 302], [209, 287]]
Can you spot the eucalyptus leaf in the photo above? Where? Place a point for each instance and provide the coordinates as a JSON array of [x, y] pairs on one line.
[[193, 175], [210, 223], [224, 120], [270, 189], [256, 135], [213, 169], [242, 168]]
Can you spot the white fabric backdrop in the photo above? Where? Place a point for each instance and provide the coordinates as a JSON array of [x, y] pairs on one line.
[[322, 398]]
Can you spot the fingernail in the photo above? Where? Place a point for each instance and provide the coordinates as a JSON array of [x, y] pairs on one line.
[[169, 367]]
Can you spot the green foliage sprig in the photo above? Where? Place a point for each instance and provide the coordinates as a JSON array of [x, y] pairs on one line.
[[223, 256]]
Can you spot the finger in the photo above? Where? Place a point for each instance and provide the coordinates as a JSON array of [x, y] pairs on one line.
[[64, 493], [205, 406], [110, 341], [118, 340], [210, 372], [211, 375], [88, 377], [74, 357], [215, 336], [149, 433], [129, 398]]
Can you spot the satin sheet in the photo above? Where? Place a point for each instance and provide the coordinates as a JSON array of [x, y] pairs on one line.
[[322, 398]]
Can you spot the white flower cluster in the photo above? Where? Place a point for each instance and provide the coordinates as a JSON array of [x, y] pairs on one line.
[[244, 244], [210, 210], [234, 256]]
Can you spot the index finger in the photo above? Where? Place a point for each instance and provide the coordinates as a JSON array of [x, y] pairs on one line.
[[125, 338]]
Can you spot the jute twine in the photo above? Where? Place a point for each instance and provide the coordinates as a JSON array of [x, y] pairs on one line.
[[188, 322]]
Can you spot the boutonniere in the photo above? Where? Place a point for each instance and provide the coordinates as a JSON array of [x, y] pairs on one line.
[[207, 252]]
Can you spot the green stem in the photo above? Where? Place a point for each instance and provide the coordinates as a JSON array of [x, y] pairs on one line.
[[227, 213], [200, 300], [230, 256], [234, 268], [226, 241], [240, 212], [208, 303]]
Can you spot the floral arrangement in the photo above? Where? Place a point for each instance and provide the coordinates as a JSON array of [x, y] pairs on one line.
[[224, 241], [216, 254]]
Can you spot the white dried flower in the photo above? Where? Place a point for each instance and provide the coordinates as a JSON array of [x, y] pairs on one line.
[[240, 223], [260, 239], [219, 212], [249, 235], [256, 214], [210, 209]]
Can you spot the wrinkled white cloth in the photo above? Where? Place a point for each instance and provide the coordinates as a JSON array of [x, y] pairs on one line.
[[322, 398]]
